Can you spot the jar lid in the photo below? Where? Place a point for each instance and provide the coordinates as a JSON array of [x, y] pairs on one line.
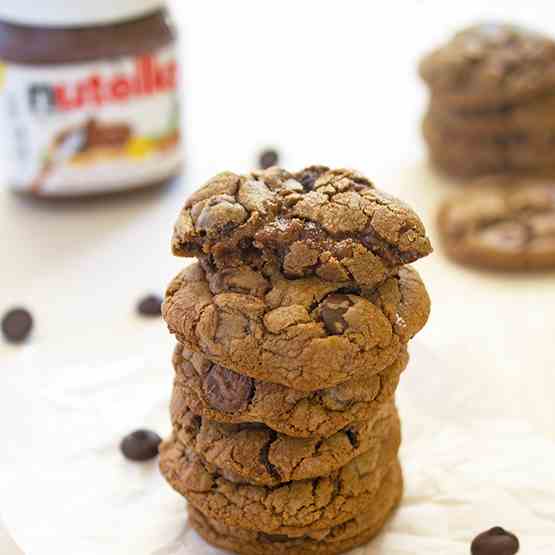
[[73, 13]]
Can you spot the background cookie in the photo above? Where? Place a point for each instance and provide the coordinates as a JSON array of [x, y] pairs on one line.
[[325, 542], [490, 65], [468, 156], [331, 223], [533, 115], [295, 508], [437, 132], [219, 394], [307, 334], [258, 455], [501, 223]]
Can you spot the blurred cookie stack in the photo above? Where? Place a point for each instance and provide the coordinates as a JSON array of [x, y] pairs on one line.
[[292, 332], [492, 107]]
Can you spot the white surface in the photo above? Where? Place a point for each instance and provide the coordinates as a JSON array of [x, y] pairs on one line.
[[61, 13], [336, 86]]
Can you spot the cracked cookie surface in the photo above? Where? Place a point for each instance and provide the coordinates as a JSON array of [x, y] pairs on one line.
[[501, 223], [306, 334], [219, 394], [258, 455], [489, 65], [295, 508], [332, 541], [330, 223]]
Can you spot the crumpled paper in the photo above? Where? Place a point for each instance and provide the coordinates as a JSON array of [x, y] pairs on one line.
[[65, 488]]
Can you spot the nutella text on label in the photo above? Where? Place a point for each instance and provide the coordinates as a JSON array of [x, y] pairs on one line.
[[74, 128], [149, 77]]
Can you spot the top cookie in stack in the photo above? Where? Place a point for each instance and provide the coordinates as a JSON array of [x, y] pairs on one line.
[[301, 279], [492, 106]]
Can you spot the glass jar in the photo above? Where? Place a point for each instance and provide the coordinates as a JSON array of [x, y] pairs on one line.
[[89, 96]]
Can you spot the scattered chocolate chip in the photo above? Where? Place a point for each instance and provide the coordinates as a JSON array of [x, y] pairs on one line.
[[226, 390], [332, 310], [150, 306], [496, 541], [17, 325], [268, 158], [141, 445]]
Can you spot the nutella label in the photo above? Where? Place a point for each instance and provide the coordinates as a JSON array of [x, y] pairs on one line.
[[86, 128]]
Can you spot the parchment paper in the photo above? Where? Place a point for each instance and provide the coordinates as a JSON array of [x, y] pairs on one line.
[[65, 488]]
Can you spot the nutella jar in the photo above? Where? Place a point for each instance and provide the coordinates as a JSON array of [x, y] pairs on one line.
[[89, 96]]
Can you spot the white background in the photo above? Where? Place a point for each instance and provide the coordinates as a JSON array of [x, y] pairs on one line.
[[326, 82]]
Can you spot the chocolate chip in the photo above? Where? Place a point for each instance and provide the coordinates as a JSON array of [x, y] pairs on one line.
[[17, 325], [353, 438], [150, 306], [268, 158], [496, 541], [226, 390], [220, 214], [308, 178], [332, 310], [141, 445], [273, 538], [264, 457]]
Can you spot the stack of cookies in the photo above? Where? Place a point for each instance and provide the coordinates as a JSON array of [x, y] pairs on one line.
[[492, 106], [292, 332]]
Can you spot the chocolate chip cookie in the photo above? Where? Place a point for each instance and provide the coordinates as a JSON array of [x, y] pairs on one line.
[[295, 508], [491, 65], [470, 156], [258, 455], [219, 394], [307, 334], [338, 539], [501, 223], [333, 224], [438, 133], [530, 117]]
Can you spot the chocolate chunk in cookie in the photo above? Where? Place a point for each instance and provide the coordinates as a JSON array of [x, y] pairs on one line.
[[227, 391], [319, 414], [330, 223], [490, 65], [332, 310], [306, 334], [261, 456], [501, 223]]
